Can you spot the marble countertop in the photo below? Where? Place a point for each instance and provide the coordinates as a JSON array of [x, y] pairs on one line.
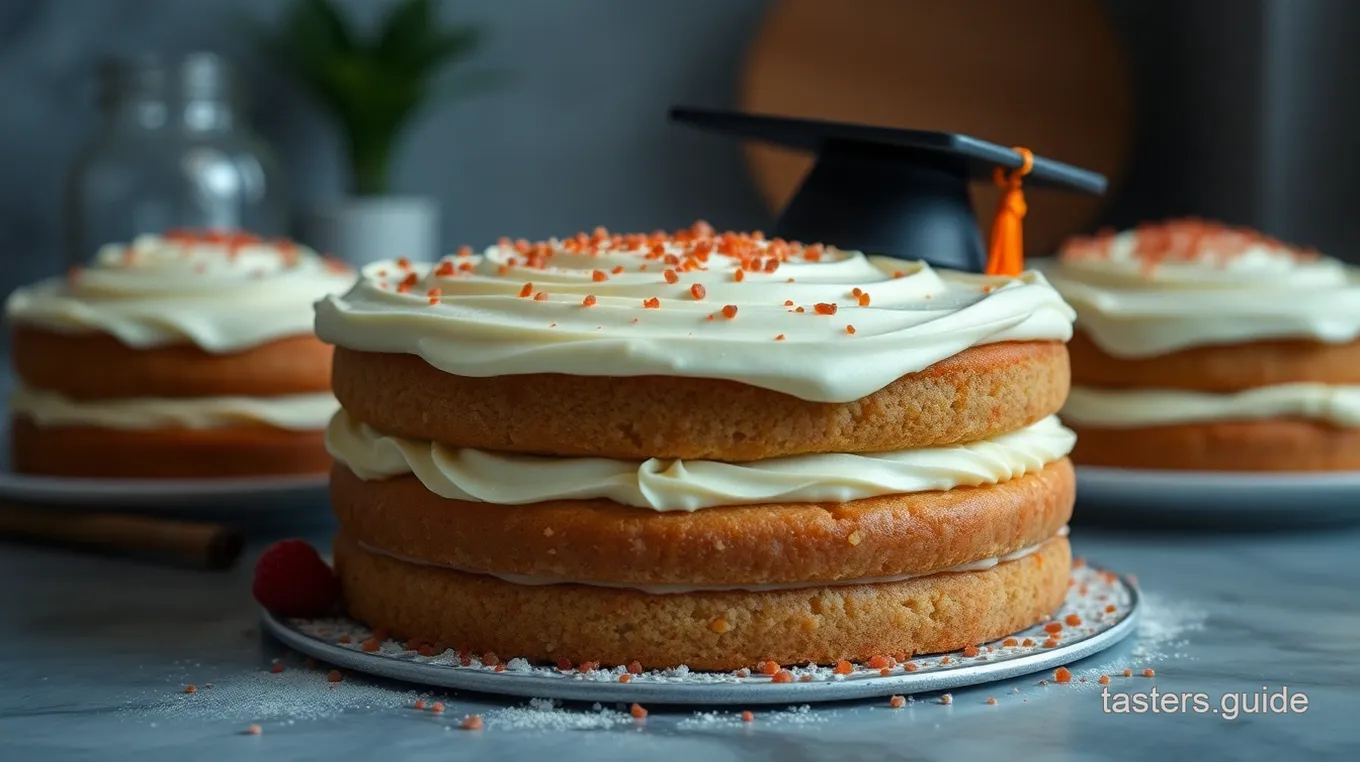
[[95, 654]]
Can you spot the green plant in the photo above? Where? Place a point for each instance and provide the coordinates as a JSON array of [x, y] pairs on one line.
[[375, 87]]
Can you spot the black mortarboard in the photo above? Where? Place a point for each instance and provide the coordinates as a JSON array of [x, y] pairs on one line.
[[881, 190]]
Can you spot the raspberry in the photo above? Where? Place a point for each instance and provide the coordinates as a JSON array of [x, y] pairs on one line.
[[292, 580]]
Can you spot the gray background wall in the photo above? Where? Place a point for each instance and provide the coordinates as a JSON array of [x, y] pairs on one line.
[[1246, 112]]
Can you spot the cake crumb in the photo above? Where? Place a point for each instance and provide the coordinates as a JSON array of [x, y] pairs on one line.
[[637, 711], [947, 699], [472, 722], [897, 702]]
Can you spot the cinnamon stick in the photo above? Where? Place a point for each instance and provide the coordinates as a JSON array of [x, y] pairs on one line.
[[209, 546]]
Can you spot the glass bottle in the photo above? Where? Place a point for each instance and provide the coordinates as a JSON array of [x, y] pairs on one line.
[[173, 152]]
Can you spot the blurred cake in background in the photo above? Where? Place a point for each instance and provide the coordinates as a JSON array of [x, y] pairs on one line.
[[1211, 348], [188, 355]]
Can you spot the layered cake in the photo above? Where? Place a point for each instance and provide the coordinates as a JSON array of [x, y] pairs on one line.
[[1205, 347], [189, 355], [699, 449]]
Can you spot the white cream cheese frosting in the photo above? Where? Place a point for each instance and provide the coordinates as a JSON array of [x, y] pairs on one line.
[[1137, 408], [221, 292], [299, 412], [525, 579], [817, 323], [1180, 284], [679, 485]]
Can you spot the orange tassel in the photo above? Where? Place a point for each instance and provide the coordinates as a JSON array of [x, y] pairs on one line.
[[1006, 250]]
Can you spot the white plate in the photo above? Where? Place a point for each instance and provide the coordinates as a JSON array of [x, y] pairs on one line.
[[337, 641], [1198, 496], [242, 494]]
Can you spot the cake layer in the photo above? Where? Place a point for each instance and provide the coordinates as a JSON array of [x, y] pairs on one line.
[[814, 323], [1228, 368], [1187, 283], [296, 412], [976, 394], [1279, 445], [687, 485], [603, 542], [97, 366], [1140, 408], [86, 451], [709, 630], [220, 292]]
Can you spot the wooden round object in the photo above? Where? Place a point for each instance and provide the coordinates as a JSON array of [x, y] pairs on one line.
[[1049, 75]]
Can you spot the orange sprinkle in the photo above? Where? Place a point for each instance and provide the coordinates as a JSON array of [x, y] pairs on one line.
[[910, 666], [1073, 620], [1149, 672], [823, 308], [885, 672], [527, 291], [746, 716], [1050, 643], [618, 269], [698, 291], [637, 711], [1110, 609], [464, 251], [671, 277], [503, 270], [371, 646], [420, 704], [856, 291], [850, 329], [864, 300], [191, 689], [403, 263], [635, 668], [334, 676], [444, 268], [880, 662], [589, 301], [434, 295], [472, 722], [1052, 627], [991, 700], [1062, 675], [540, 297], [625, 678], [1128, 673], [768, 667], [780, 337], [730, 311], [1104, 680], [897, 702], [490, 659], [1027, 642], [254, 730], [598, 276], [739, 276], [970, 651], [588, 666], [437, 707], [652, 304], [782, 676], [1010, 642], [788, 302], [771, 265], [944, 659], [843, 667], [800, 309], [899, 274]]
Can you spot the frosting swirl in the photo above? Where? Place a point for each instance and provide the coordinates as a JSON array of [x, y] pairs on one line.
[[1136, 408], [222, 292], [1185, 283], [814, 322], [294, 412], [678, 485]]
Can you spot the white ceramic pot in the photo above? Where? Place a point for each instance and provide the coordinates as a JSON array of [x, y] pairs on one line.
[[364, 229]]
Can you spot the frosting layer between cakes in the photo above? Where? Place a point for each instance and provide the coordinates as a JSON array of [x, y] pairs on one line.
[[1337, 405], [820, 324], [680, 485], [1152, 291], [296, 412], [223, 294]]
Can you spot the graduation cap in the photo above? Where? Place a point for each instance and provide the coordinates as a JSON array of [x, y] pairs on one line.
[[903, 193]]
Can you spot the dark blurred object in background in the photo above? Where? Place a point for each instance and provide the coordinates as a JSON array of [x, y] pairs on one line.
[[172, 152]]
